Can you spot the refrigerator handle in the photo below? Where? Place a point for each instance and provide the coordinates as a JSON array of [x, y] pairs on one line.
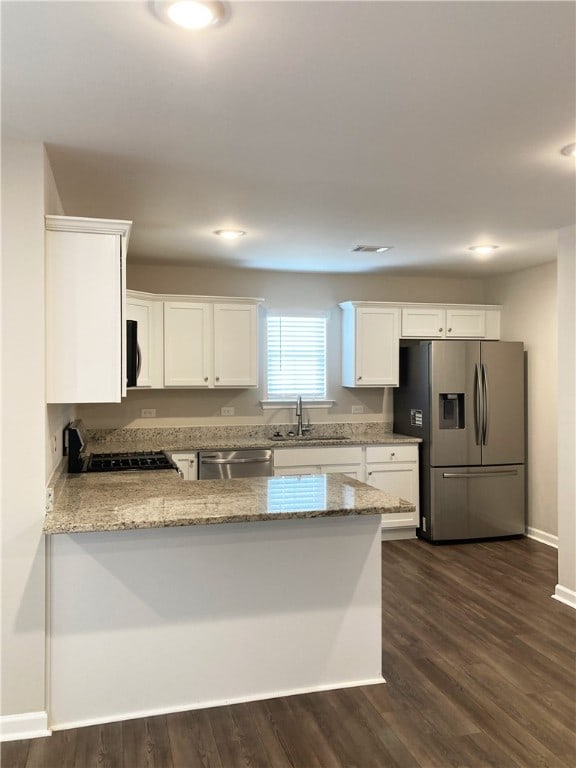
[[477, 406], [486, 404]]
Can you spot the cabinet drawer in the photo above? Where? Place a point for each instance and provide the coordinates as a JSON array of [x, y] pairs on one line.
[[300, 457], [391, 453]]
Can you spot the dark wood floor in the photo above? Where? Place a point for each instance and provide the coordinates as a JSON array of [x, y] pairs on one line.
[[480, 665]]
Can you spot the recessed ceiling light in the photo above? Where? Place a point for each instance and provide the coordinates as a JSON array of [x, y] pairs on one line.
[[371, 248], [229, 234], [569, 150], [190, 14], [483, 250]]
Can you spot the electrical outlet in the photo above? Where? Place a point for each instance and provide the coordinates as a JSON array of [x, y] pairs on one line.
[[148, 413], [227, 410], [357, 409], [49, 499]]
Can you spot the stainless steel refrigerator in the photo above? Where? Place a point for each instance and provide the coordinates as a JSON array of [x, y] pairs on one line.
[[465, 399]]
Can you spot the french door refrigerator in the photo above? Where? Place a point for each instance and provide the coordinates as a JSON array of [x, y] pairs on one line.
[[465, 399]]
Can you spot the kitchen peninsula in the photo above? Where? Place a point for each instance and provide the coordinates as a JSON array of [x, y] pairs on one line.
[[168, 595]]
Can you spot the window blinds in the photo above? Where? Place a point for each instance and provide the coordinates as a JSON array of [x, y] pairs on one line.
[[296, 357]]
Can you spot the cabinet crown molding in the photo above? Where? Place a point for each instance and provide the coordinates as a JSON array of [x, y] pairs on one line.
[[188, 297], [415, 304], [83, 224]]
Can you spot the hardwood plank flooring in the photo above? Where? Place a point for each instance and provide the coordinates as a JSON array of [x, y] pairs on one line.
[[480, 669]]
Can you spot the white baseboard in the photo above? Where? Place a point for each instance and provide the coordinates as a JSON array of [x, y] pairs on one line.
[[542, 536], [120, 716], [396, 534], [29, 725], [565, 595]]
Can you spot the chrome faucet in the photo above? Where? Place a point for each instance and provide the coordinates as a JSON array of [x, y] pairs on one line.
[[301, 430]]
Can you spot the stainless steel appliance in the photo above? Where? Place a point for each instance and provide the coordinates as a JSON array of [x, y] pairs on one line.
[[78, 461], [465, 399], [133, 356], [128, 462], [224, 465]]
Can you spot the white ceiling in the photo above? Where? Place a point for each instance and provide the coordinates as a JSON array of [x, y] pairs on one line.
[[314, 126]]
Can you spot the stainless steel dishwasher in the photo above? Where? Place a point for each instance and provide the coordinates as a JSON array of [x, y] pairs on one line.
[[225, 465]]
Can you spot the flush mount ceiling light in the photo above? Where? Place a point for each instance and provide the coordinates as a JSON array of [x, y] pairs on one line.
[[229, 234], [190, 14], [483, 250], [569, 150], [371, 248]]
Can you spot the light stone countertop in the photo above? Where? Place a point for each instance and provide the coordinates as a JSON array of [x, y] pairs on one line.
[[179, 440], [157, 499]]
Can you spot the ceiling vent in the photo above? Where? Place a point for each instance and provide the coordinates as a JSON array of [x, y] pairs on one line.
[[371, 248]]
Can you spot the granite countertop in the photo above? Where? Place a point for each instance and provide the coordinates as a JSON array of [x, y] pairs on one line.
[[157, 499], [178, 440]]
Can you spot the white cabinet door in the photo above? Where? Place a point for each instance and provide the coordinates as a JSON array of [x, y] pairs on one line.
[[423, 322], [398, 479], [317, 460], [235, 345], [377, 347], [465, 323], [318, 456], [370, 346], [438, 323], [187, 344], [85, 296], [141, 311], [296, 471], [356, 471]]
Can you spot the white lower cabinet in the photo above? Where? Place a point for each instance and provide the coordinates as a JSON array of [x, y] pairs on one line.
[[186, 463], [394, 469], [314, 461]]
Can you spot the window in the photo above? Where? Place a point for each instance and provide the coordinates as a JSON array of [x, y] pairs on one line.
[[296, 357]]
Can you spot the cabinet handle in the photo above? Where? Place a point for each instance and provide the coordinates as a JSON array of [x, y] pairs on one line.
[[359, 378], [217, 378], [440, 330], [369, 474], [205, 378], [449, 330], [392, 455]]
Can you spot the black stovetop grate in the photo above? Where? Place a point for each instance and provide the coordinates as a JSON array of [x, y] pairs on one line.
[[125, 462]]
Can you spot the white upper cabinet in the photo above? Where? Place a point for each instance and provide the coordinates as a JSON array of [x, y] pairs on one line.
[[370, 345], [450, 322], [235, 345], [211, 344], [423, 322], [85, 309], [187, 344]]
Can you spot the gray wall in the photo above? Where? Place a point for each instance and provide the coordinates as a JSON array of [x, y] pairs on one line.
[[567, 420]]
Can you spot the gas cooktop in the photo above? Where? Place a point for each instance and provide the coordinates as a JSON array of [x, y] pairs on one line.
[[126, 462]]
